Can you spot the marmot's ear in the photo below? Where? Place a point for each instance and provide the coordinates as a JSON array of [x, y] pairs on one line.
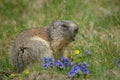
[[56, 24]]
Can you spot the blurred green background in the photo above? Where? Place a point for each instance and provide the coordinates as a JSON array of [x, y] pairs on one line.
[[98, 22]]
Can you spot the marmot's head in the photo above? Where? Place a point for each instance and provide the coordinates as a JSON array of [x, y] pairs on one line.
[[63, 29]]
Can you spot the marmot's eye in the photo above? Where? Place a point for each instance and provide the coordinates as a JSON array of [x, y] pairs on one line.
[[65, 27]]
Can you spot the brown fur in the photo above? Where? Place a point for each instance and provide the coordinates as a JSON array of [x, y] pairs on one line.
[[33, 44]]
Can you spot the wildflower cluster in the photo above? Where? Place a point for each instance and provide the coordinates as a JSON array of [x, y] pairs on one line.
[[60, 64], [83, 67], [66, 63], [47, 62]]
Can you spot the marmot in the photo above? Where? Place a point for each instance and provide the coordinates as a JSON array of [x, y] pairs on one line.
[[34, 44]]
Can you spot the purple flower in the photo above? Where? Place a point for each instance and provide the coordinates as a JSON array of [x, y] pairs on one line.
[[85, 64], [48, 59], [76, 69], [51, 59], [59, 64], [118, 62], [87, 52], [85, 71], [81, 67], [51, 64], [47, 62], [66, 62], [45, 59], [71, 74], [84, 68], [45, 66]]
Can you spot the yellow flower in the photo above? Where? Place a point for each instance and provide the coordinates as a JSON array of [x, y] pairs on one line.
[[26, 72], [12, 75], [76, 51]]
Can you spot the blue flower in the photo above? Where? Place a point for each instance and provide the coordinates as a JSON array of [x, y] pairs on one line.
[[85, 71], [59, 64], [66, 62], [45, 66], [81, 67], [51, 64], [84, 68], [87, 52], [51, 59], [48, 59], [47, 62], [76, 69], [71, 74], [85, 64], [45, 59], [118, 62]]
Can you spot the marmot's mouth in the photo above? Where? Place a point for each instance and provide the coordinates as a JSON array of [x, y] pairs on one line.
[[73, 38], [74, 34]]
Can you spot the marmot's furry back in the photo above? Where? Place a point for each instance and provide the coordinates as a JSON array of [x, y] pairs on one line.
[[33, 44]]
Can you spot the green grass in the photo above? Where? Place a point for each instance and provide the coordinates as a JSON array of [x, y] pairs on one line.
[[99, 30]]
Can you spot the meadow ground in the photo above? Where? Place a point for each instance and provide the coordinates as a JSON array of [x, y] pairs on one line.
[[99, 32]]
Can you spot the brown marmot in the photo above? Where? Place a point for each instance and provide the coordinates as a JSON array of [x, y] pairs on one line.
[[34, 44]]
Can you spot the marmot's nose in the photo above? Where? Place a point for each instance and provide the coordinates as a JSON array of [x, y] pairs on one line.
[[76, 30]]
